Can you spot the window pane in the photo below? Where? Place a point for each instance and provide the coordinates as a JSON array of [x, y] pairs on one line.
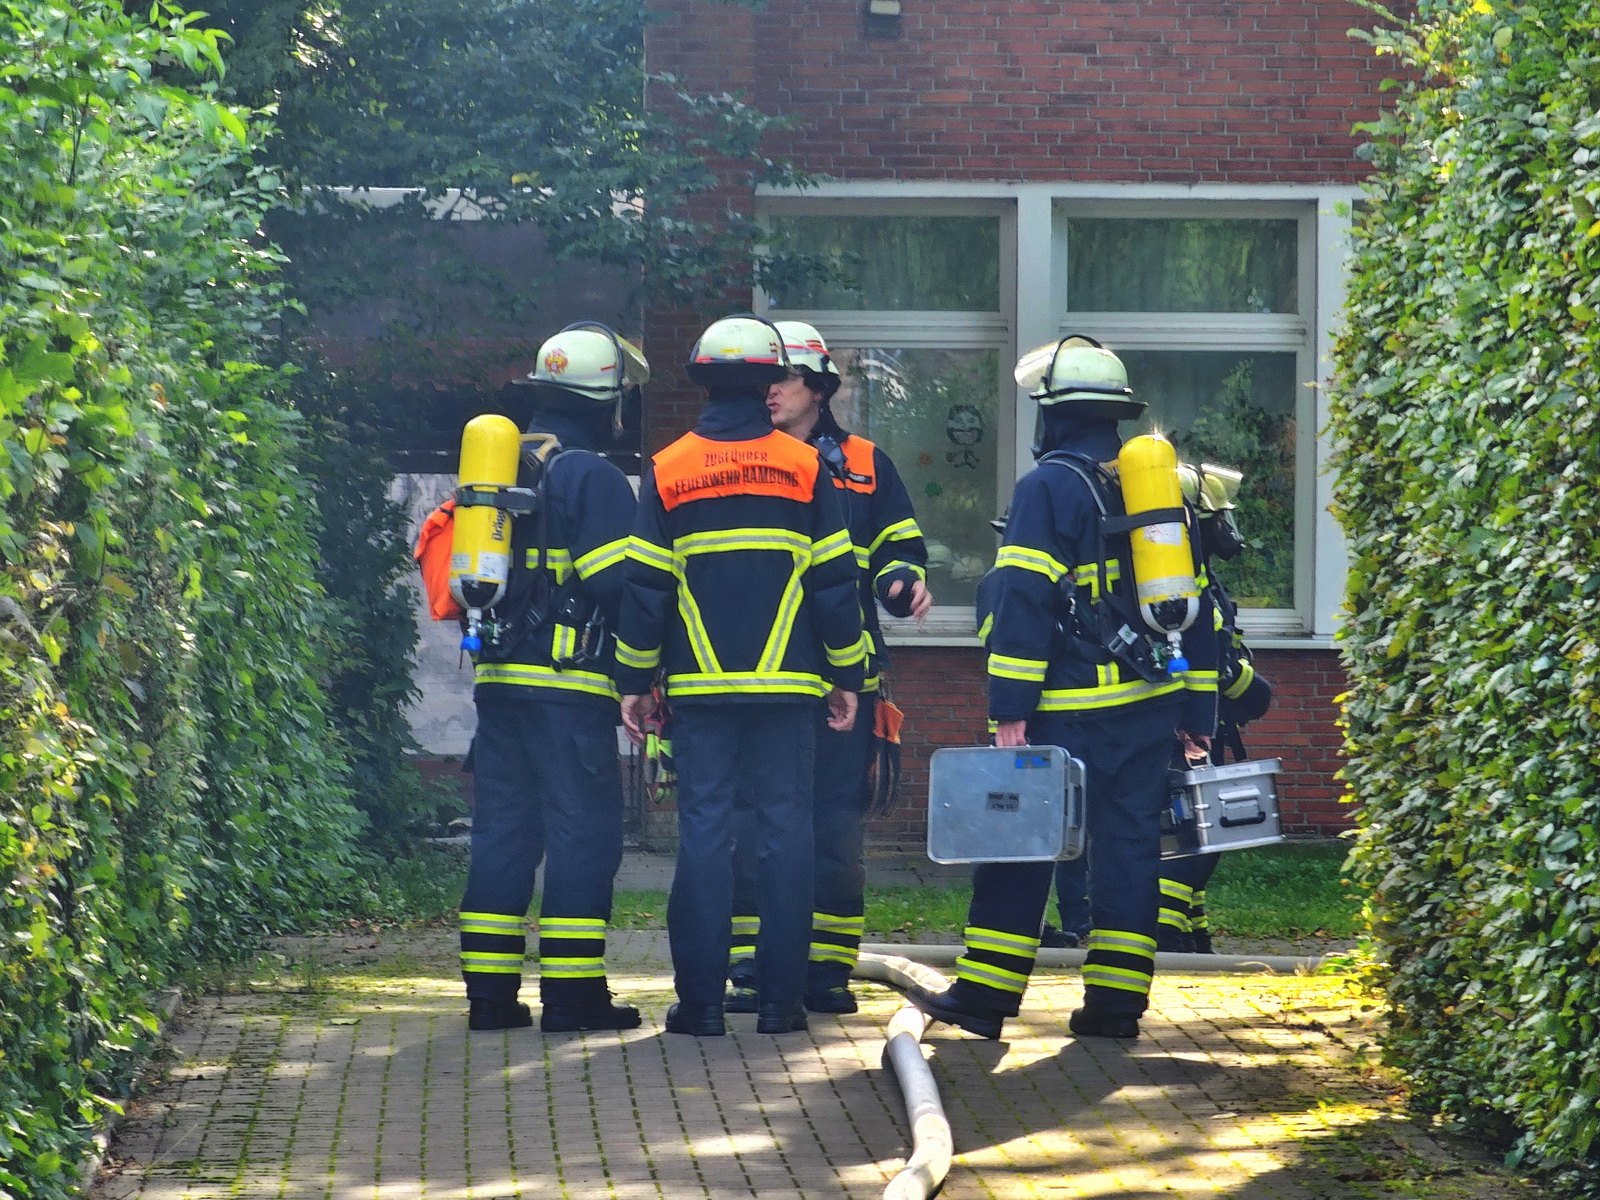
[[1236, 410], [933, 413], [1182, 265], [949, 264]]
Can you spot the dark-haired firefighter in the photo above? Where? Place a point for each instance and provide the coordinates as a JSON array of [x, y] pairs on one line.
[[546, 778], [1052, 681], [892, 563], [741, 590]]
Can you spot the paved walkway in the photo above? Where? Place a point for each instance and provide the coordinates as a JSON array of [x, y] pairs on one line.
[[351, 1075]]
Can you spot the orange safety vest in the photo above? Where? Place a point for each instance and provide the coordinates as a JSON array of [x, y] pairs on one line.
[[433, 556], [697, 468]]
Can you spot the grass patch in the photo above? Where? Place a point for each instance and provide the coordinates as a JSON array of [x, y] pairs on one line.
[[1292, 890], [1289, 890]]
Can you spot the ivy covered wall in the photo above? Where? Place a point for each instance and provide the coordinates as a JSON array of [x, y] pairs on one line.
[[1468, 411], [170, 783]]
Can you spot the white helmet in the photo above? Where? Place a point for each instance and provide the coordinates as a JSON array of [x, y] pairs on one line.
[[739, 351], [592, 360], [808, 353], [1208, 487], [1080, 371]]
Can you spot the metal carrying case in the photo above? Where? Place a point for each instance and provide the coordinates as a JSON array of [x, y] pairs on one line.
[[1211, 809], [1004, 804]]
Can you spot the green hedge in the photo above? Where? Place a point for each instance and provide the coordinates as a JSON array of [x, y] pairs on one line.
[[169, 785], [1469, 482]]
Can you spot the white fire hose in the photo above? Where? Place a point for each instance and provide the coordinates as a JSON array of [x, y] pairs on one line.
[[931, 1146]]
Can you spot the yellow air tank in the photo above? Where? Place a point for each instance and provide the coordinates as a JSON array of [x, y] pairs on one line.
[[1163, 564], [480, 551]]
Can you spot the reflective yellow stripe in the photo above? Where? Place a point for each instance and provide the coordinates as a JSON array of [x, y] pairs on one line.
[[986, 628], [493, 964], [1030, 670], [1178, 891], [501, 923], [694, 625], [777, 644], [1122, 943], [978, 938], [900, 531], [748, 926], [753, 538], [588, 927], [1073, 699], [920, 572], [827, 952], [831, 547], [850, 656], [529, 675], [1089, 576], [643, 660], [601, 557], [995, 977], [1241, 685], [558, 562], [1200, 681], [863, 559], [832, 924], [1177, 920], [563, 642], [746, 683], [571, 968], [652, 555], [1030, 560], [1115, 977]]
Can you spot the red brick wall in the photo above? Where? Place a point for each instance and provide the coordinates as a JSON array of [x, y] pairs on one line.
[[942, 693], [1247, 91]]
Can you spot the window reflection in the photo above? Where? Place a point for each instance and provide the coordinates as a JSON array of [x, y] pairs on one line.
[[1235, 409], [933, 412]]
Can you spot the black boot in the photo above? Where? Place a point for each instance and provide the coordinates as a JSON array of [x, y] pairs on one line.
[[497, 1014], [942, 1006], [1052, 938], [1202, 942], [784, 1017], [837, 999], [603, 1014], [696, 1020], [1088, 1023]]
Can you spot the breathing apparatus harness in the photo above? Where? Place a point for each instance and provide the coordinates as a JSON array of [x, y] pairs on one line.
[[533, 600], [1109, 618]]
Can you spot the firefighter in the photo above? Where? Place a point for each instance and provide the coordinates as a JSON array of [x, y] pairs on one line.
[[741, 590], [546, 772], [892, 562], [1061, 673], [1242, 696]]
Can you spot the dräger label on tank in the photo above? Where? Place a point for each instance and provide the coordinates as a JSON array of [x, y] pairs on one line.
[[461, 562], [1168, 586], [493, 568], [1169, 533]]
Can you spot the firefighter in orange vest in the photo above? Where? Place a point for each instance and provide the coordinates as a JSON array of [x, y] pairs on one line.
[[546, 777], [892, 560], [741, 591]]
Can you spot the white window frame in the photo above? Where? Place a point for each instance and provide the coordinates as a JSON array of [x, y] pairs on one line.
[[847, 329], [1035, 318]]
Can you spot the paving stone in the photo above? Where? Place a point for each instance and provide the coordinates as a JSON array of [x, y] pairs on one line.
[[1242, 1087]]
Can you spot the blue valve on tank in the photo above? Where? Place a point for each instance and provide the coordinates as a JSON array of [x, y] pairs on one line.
[[1177, 664], [471, 643]]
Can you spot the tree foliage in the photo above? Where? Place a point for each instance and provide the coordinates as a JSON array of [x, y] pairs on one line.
[[170, 786], [534, 108], [1468, 414]]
